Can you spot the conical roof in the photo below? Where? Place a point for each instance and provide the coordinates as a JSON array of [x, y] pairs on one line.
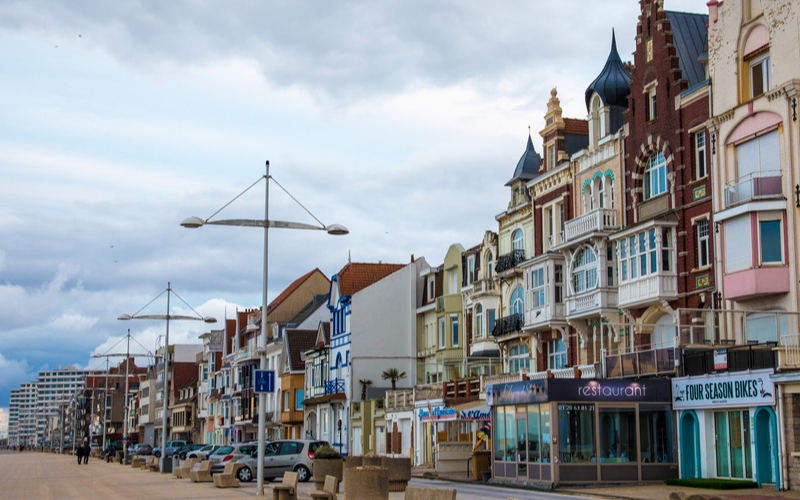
[[528, 166], [613, 84]]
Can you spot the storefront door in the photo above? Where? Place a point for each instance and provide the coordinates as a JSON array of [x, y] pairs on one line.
[[766, 448], [690, 448], [733, 452]]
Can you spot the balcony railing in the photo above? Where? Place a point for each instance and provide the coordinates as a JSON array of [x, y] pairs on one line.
[[602, 219], [400, 399], [737, 358], [334, 386], [462, 390], [600, 298], [651, 360], [508, 325], [500, 378], [755, 186], [646, 289], [510, 260], [578, 371], [789, 352]]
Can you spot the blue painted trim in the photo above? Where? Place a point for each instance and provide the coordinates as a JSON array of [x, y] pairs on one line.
[[587, 182], [609, 173], [696, 438]]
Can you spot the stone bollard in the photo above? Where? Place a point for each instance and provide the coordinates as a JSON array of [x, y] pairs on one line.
[[327, 467], [366, 483], [371, 461]]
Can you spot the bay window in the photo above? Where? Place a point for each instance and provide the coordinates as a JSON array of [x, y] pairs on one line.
[[770, 241], [537, 285], [584, 274], [556, 354]]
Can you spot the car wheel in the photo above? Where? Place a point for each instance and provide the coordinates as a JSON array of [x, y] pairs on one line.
[[157, 454], [182, 456], [303, 474], [244, 475]]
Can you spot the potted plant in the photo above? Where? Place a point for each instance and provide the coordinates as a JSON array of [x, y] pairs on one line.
[[327, 462]]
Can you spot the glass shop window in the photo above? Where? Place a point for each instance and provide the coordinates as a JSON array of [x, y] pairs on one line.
[[576, 428], [655, 427], [617, 435]]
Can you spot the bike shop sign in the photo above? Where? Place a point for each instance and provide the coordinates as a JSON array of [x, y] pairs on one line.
[[743, 389]]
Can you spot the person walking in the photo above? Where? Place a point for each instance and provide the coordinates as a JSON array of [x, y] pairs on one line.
[[79, 453], [87, 450]]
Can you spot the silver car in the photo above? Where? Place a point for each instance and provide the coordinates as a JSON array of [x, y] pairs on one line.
[[282, 456], [203, 452], [230, 453]]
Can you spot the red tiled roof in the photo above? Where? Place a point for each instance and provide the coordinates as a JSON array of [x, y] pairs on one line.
[[576, 126], [356, 276], [298, 341], [291, 288]]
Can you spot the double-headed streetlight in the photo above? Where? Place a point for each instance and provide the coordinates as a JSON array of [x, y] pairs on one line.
[[165, 359], [335, 229]]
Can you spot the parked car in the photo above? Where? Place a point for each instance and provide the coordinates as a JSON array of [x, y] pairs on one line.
[[182, 453], [141, 449], [172, 447], [230, 453], [280, 456], [203, 452]]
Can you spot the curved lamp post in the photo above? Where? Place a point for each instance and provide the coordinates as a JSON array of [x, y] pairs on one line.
[[335, 229], [167, 317]]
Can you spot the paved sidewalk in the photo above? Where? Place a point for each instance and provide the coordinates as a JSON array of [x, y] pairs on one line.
[[635, 491]]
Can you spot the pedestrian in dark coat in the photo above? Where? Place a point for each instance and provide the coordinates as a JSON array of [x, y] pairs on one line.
[[79, 452], [87, 450]]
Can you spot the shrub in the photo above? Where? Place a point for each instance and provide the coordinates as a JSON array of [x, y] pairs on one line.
[[326, 451]]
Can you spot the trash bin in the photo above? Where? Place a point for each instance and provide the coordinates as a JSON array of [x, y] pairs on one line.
[[480, 463], [167, 464], [176, 462]]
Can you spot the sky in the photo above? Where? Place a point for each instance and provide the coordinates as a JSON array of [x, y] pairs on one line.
[[401, 120]]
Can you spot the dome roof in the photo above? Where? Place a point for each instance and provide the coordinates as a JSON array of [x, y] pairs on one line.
[[613, 83]]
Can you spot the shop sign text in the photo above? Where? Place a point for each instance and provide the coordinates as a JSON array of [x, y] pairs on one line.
[[738, 389]]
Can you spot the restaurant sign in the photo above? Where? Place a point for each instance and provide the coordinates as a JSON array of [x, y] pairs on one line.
[[445, 414], [742, 389]]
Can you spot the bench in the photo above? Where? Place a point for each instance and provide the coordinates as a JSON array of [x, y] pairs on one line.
[[227, 478], [419, 493], [287, 488], [184, 470], [153, 465], [329, 489], [137, 462], [202, 472]]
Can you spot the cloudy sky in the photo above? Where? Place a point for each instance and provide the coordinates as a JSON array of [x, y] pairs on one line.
[[400, 119]]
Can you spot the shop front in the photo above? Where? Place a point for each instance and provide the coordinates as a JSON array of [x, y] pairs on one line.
[[548, 432], [727, 426], [449, 434]]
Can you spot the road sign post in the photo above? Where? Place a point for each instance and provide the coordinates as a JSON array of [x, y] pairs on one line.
[[265, 381]]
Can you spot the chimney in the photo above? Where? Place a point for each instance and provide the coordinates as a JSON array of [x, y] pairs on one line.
[[713, 8]]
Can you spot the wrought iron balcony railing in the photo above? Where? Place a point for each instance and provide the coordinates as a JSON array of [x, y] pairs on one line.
[[508, 325], [510, 260]]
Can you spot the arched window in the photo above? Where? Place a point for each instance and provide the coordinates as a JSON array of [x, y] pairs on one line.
[[479, 321], [587, 198], [339, 366], [489, 265], [597, 131], [516, 240], [517, 304], [584, 273], [655, 175], [600, 192]]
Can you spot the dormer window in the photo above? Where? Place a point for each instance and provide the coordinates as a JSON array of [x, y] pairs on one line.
[[516, 240], [431, 288]]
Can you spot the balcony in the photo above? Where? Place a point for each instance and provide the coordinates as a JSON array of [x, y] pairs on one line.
[[760, 185], [334, 386], [500, 378], [647, 290], [602, 219], [737, 358], [543, 317], [508, 325], [482, 287], [789, 352], [399, 400], [756, 282], [650, 360], [591, 302], [461, 391], [510, 261]]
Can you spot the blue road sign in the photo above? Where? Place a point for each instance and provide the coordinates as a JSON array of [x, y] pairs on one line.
[[265, 381]]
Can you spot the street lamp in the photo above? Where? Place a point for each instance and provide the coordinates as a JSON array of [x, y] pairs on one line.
[[165, 405], [335, 229]]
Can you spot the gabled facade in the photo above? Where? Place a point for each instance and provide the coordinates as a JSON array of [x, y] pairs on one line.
[[480, 297], [665, 260], [318, 402], [292, 376], [589, 276]]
